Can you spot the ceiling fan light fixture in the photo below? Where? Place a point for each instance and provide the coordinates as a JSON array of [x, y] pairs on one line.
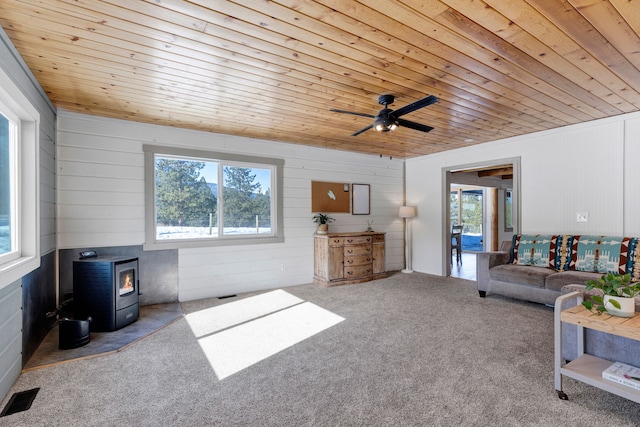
[[385, 124], [387, 120]]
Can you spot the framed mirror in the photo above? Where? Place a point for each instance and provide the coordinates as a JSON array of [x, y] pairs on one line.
[[360, 199]]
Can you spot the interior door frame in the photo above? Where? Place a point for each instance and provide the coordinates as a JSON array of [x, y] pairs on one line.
[[447, 181]]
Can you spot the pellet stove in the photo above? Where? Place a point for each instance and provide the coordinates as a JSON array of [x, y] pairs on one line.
[[105, 288]]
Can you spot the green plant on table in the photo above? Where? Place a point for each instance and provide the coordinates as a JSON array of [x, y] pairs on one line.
[[321, 218], [612, 284]]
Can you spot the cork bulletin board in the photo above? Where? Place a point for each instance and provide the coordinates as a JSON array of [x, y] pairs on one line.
[[330, 197]]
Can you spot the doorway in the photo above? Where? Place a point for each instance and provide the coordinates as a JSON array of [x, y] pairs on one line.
[[466, 215], [484, 197]]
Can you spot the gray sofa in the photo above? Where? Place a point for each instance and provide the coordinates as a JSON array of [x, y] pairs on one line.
[[530, 283], [535, 267], [499, 274]]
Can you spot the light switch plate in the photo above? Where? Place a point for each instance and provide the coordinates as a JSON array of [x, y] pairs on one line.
[[582, 216]]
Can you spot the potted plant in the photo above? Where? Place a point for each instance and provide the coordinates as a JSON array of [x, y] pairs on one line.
[[323, 221], [618, 295]]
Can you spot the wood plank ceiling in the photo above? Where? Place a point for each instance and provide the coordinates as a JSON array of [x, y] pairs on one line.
[[274, 69]]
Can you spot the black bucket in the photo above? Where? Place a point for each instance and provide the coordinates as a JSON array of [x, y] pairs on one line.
[[73, 333]]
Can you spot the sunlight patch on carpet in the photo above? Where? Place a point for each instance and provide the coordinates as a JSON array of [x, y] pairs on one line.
[[214, 319], [236, 348]]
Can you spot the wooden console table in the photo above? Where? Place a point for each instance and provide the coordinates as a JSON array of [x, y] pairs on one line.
[[585, 367], [348, 258]]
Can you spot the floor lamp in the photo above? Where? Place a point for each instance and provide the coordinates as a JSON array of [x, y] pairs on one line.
[[407, 212]]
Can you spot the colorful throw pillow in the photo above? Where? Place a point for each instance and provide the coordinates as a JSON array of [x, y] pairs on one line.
[[534, 249], [633, 262], [513, 254], [561, 248], [600, 254]]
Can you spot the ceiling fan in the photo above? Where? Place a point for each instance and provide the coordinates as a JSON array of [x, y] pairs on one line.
[[388, 120]]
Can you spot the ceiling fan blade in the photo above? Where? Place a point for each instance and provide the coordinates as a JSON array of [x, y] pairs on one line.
[[415, 106], [414, 125], [351, 112], [361, 130]]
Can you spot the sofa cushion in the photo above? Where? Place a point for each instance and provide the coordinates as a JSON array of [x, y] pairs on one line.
[[521, 274], [534, 249], [558, 280], [601, 254]]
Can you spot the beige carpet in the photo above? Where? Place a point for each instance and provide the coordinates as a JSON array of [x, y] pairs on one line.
[[412, 350]]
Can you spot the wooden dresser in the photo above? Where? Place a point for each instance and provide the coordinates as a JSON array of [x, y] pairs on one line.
[[348, 258]]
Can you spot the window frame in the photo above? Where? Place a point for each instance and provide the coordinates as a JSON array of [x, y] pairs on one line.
[[238, 160], [26, 172]]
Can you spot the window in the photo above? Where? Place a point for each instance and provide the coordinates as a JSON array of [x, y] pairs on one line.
[[508, 205], [199, 198], [19, 200], [466, 208], [9, 249]]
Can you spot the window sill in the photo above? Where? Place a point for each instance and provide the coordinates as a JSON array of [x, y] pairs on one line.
[[185, 244], [16, 269]]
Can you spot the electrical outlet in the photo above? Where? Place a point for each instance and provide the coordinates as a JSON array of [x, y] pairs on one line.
[[283, 267], [582, 216]]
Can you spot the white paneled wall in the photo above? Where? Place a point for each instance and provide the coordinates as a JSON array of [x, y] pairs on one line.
[[101, 201], [632, 177], [577, 169], [10, 336], [47, 188], [100, 185], [590, 167]]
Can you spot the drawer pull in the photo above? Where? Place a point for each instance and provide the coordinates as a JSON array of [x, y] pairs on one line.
[[349, 251], [350, 261], [349, 240], [349, 272], [336, 240]]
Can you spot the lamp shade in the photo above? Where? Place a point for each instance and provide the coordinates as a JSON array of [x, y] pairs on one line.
[[407, 212]]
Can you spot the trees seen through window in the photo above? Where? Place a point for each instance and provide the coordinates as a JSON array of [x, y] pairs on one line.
[[190, 203]]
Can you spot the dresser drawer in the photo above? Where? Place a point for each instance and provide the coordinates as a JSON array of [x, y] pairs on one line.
[[352, 261], [378, 238], [336, 241], [359, 271], [357, 240], [357, 250]]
